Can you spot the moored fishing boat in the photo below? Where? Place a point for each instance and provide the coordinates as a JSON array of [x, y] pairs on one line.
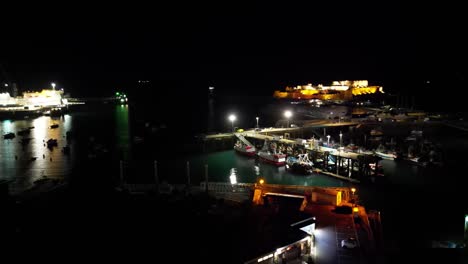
[[243, 149], [300, 164], [243, 146], [270, 154], [386, 155]]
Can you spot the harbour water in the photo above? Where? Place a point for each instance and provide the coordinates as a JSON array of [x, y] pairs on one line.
[[117, 133], [109, 127]]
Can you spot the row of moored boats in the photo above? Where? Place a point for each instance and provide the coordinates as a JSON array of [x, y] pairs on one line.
[[269, 153]]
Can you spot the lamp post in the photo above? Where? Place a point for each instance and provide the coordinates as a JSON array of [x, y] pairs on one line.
[[257, 121], [328, 140], [353, 190], [232, 118], [341, 139], [53, 86], [288, 115]]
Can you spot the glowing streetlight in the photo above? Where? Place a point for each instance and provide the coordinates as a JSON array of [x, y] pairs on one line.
[[341, 139], [328, 140], [288, 115], [53, 86], [232, 118], [261, 181], [353, 190], [257, 121]]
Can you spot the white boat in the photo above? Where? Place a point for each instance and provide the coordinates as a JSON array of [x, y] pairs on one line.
[[243, 146], [244, 149], [386, 155], [418, 161], [269, 154]]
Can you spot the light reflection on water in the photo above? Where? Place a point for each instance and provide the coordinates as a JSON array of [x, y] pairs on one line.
[[25, 163], [113, 127], [223, 165]]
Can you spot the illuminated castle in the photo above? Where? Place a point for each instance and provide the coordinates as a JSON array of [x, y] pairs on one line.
[[339, 90]]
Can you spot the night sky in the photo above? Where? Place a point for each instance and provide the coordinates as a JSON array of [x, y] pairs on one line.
[[236, 47]]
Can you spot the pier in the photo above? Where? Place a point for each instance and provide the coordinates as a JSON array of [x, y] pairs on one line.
[[338, 163]]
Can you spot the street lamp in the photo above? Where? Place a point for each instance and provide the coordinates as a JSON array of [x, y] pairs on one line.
[[257, 121], [288, 115], [53, 86], [328, 140], [232, 118], [341, 139]]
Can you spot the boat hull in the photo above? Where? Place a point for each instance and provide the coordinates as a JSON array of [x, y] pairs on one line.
[[245, 153], [386, 156], [274, 161], [297, 168]]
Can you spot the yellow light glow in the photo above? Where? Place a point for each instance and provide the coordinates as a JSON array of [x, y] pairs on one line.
[[340, 90], [355, 210], [261, 181]]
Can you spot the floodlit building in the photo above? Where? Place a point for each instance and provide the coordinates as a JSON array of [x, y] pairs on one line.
[[338, 90]]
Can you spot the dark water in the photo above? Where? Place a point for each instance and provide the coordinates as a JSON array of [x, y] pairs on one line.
[[113, 128], [412, 202]]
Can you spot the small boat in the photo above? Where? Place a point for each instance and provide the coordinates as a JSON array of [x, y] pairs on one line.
[[9, 136], [419, 161], [243, 146], [24, 132], [300, 164], [52, 143], [386, 155], [244, 149], [269, 154], [54, 126]]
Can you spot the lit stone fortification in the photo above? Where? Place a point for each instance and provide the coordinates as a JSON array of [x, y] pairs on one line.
[[338, 90]]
